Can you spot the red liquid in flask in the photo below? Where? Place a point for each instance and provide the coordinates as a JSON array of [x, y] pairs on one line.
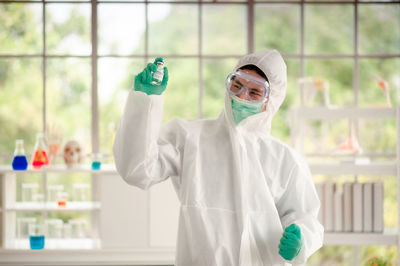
[[39, 159]]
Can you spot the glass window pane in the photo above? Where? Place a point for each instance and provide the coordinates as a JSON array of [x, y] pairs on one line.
[[181, 95], [68, 0], [116, 78], [121, 28], [329, 29], [388, 254], [280, 122], [333, 255], [225, 1], [68, 29], [379, 82], [169, 0], [282, 0], [20, 28], [68, 99], [339, 74], [215, 72], [170, 30], [323, 139], [377, 0], [377, 138], [379, 29], [328, 0], [21, 104], [230, 37], [277, 20]]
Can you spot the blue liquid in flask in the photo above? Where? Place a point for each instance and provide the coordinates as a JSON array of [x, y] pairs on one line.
[[96, 165], [20, 162], [36, 242]]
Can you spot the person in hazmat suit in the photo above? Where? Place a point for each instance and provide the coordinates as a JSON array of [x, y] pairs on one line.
[[246, 198]]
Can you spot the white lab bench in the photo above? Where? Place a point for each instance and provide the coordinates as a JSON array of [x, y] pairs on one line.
[[110, 257]]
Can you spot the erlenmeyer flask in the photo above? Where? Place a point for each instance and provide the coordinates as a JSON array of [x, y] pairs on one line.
[[40, 157], [19, 162]]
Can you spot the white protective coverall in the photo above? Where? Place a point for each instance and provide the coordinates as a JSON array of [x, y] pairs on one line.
[[238, 186]]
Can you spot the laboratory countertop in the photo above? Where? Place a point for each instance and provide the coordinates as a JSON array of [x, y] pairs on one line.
[[114, 257]]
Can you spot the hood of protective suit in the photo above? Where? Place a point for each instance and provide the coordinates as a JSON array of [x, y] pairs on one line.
[[272, 64]]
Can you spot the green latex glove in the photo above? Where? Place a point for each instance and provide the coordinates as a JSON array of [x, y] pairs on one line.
[[144, 78], [291, 242]]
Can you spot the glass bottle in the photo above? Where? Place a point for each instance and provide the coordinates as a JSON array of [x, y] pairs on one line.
[[40, 157], [19, 162], [159, 74]]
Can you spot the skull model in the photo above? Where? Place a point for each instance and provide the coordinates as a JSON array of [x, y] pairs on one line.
[[73, 154]]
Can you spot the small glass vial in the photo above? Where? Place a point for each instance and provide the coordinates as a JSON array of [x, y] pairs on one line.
[[96, 161], [19, 162], [159, 74], [40, 157]]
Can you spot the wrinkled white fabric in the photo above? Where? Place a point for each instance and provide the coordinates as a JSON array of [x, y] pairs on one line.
[[237, 185]]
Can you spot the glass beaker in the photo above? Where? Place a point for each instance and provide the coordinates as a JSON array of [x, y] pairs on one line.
[[19, 162], [67, 230], [38, 197], [36, 236], [81, 192], [40, 157], [78, 227], [96, 161], [52, 191], [23, 226], [28, 191], [54, 228], [62, 198]]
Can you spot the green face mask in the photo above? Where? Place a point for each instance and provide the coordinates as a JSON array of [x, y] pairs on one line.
[[242, 109]]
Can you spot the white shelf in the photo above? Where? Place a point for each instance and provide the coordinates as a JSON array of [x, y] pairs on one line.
[[361, 239], [52, 206], [372, 169], [71, 243], [334, 113], [105, 169], [143, 256]]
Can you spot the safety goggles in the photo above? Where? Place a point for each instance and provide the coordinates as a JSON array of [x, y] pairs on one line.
[[256, 89]]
